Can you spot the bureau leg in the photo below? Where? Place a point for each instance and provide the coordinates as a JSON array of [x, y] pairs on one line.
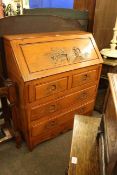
[[15, 121], [12, 96], [18, 139], [6, 112], [66, 171], [30, 147]]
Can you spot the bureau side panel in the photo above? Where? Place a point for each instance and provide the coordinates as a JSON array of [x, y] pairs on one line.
[[15, 76]]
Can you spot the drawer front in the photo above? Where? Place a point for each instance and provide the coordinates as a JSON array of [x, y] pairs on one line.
[[48, 89], [85, 77], [59, 123], [84, 109], [63, 104]]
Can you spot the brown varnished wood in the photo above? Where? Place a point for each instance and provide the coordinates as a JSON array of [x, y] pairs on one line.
[[15, 76], [110, 120], [51, 88], [104, 22], [84, 146], [88, 5], [94, 140], [33, 69], [62, 104], [80, 79], [65, 124], [35, 65], [49, 91], [111, 125], [63, 20]]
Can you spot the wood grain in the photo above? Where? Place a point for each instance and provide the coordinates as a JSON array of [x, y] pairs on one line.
[[84, 146], [32, 46], [110, 120], [104, 22], [88, 5]]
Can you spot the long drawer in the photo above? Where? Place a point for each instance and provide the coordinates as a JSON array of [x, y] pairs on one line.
[[63, 104], [58, 122]]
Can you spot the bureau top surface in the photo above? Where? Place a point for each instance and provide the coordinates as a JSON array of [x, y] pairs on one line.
[[42, 55]]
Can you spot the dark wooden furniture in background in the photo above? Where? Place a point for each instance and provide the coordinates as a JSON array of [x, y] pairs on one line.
[[110, 125], [57, 75], [79, 16], [9, 112], [109, 66], [104, 22], [94, 148], [87, 5], [102, 15]]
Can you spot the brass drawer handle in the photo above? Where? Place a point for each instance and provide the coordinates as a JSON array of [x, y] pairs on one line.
[[84, 95], [85, 77], [51, 124], [53, 87], [52, 108], [82, 110]]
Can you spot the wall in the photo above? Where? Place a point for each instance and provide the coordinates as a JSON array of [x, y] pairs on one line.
[[51, 3]]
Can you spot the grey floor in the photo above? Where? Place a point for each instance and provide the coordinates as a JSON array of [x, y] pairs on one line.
[[48, 158]]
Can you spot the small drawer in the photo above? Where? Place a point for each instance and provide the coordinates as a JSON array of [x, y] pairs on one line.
[[63, 104], [47, 89], [85, 77]]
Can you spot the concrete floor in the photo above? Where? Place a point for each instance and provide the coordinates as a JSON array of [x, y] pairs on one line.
[[48, 158]]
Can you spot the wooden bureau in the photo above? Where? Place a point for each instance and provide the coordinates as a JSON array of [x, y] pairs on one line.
[[57, 75]]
